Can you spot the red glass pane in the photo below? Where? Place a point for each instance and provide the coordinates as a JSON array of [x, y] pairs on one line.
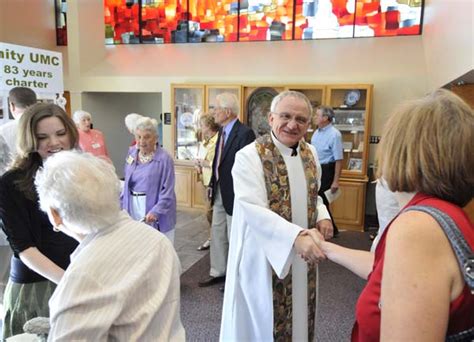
[[121, 22], [61, 28], [213, 21], [376, 19], [164, 21], [324, 19], [266, 20]]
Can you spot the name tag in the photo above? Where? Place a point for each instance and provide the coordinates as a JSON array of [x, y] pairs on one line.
[[96, 145], [129, 160]]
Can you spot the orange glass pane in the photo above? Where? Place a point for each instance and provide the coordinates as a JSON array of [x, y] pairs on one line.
[[164, 21], [266, 20], [213, 21], [374, 18], [121, 18]]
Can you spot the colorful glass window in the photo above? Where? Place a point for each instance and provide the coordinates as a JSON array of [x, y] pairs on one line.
[[61, 27], [196, 21], [122, 21]]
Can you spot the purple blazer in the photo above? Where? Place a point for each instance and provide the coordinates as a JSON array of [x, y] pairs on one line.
[[160, 196]]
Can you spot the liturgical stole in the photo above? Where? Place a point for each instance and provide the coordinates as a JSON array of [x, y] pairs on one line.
[[279, 201]]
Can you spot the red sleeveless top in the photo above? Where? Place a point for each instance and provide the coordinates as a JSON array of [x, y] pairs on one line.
[[461, 310]]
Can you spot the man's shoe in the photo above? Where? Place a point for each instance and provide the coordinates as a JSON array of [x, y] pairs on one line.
[[211, 281], [204, 246]]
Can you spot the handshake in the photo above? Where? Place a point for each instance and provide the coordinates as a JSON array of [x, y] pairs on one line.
[[308, 243]]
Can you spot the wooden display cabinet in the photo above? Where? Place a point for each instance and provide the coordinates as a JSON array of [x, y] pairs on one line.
[[352, 106], [189, 103]]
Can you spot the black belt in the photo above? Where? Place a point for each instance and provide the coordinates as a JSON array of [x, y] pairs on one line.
[[135, 193]]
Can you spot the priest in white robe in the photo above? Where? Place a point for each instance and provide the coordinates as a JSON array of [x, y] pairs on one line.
[[271, 285]]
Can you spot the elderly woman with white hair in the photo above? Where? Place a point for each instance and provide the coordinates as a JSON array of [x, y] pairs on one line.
[[131, 121], [123, 280], [90, 140], [148, 192]]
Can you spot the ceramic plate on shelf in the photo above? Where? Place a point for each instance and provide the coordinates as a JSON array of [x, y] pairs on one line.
[[352, 97], [186, 119], [258, 107]]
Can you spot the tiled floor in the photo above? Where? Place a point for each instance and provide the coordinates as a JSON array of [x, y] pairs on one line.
[[192, 230]]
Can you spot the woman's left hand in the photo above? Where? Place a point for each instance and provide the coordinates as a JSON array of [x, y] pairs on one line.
[[151, 218]]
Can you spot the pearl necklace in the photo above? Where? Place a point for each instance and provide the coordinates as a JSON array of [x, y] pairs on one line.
[[145, 158]]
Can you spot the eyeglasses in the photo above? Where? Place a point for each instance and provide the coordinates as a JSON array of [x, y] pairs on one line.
[[286, 117]]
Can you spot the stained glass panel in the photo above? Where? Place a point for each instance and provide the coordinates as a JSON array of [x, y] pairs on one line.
[[388, 18], [213, 21], [121, 22], [266, 20], [164, 21], [61, 27], [196, 21]]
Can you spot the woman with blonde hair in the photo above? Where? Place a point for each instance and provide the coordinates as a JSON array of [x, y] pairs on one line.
[[39, 255], [148, 192], [207, 149], [416, 289]]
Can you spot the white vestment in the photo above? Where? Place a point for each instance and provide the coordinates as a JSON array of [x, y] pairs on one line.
[[262, 241]]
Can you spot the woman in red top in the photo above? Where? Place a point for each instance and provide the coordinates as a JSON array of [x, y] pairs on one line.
[[415, 289]]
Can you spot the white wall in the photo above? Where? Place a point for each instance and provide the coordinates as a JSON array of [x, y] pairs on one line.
[[448, 40], [30, 23]]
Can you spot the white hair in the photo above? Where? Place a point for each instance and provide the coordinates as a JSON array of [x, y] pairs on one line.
[[131, 121], [147, 124], [82, 188], [229, 101], [79, 114]]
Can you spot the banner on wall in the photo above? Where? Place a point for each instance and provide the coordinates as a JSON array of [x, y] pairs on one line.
[[38, 69]]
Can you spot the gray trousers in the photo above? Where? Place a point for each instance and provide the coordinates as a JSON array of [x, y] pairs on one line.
[[220, 234]]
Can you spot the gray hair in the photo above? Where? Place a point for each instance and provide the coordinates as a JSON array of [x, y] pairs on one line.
[[79, 114], [147, 124], [82, 188], [327, 111], [291, 93], [228, 101], [131, 121]]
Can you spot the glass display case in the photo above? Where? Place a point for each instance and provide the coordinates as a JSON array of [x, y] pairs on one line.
[[213, 90], [351, 105], [188, 105]]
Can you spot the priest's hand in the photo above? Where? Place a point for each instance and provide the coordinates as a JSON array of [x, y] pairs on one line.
[[307, 248], [326, 228]]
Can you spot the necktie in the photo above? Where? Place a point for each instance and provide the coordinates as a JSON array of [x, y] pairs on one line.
[[220, 151], [295, 150]]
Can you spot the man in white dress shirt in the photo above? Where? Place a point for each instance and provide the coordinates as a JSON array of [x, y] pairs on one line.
[[19, 99], [271, 292]]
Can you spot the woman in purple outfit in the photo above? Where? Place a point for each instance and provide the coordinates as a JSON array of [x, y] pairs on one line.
[[148, 192]]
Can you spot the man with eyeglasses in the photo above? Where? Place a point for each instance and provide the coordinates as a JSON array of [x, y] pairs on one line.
[[328, 143], [278, 222], [233, 135]]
